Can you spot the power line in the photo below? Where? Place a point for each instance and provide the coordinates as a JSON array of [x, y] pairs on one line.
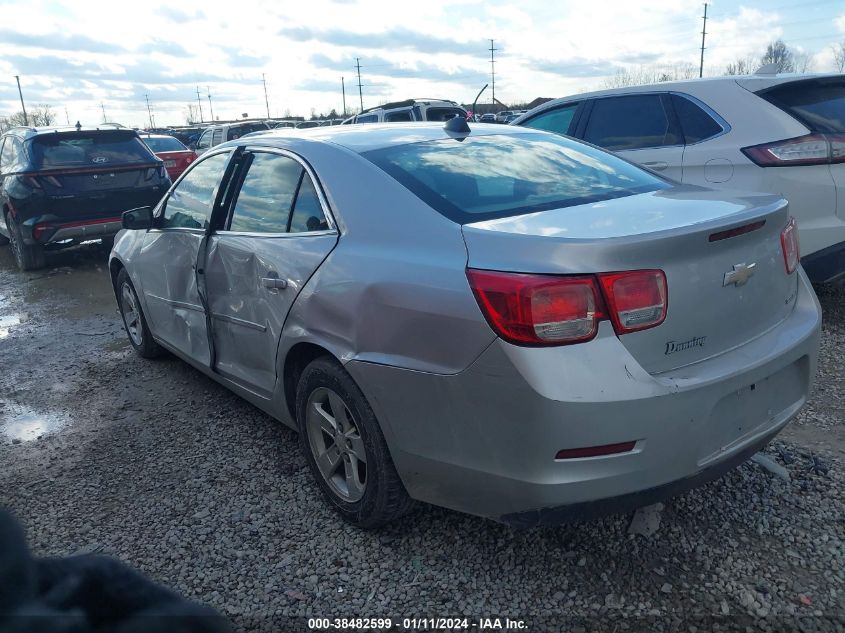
[[703, 34], [493, 72], [360, 93]]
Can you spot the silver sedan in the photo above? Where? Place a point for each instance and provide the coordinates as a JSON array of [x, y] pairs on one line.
[[499, 320]]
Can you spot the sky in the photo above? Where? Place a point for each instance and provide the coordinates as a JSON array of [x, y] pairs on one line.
[[86, 59]]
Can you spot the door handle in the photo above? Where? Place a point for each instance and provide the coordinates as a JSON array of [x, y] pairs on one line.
[[656, 165], [274, 282]]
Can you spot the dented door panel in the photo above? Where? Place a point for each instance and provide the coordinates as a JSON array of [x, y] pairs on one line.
[[170, 291], [249, 308]]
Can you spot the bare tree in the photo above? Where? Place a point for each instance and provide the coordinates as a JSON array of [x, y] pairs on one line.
[[803, 62], [651, 75], [778, 53], [839, 56], [42, 114], [741, 66]]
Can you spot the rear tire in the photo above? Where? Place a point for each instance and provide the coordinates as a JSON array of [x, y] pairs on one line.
[[134, 321], [28, 257], [345, 449]]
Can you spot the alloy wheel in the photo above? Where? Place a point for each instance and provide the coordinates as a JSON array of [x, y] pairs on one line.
[[336, 444], [131, 314]]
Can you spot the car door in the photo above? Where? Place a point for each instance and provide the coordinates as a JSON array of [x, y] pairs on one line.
[[707, 156], [168, 258], [276, 235], [641, 128]]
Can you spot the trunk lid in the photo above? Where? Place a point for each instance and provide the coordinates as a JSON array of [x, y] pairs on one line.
[[669, 230]]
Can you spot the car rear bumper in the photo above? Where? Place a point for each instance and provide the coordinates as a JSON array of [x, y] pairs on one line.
[[826, 265], [485, 441]]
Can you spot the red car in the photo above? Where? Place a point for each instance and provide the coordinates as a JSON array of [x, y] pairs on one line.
[[176, 156]]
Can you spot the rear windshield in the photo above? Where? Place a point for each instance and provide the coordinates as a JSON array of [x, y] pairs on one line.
[[495, 176], [84, 149], [817, 103], [164, 144], [443, 114]]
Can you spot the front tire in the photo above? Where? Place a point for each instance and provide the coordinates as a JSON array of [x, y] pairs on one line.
[[134, 321], [28, 257], [345, 449]]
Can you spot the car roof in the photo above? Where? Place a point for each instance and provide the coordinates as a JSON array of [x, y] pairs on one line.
[[363, 138], [30, 131], [752, 83]]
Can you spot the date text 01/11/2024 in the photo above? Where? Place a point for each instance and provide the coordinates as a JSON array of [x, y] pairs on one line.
[[416, 624]]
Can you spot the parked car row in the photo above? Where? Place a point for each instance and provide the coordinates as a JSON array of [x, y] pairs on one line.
[[410, 110]]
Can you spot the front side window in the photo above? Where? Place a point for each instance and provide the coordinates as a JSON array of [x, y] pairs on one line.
[[189, 204], [557, 120], [267, 195], [501, 175], [696, 124], [629, 122], [205, 140]]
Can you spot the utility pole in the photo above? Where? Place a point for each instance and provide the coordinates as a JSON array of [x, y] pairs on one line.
[[493, 72], [67, 116], [343, 90], [105, 120], [266, 101], [199, 103], [20, 94], [703, 33], [209, 103], [149, 110], [360, 94]]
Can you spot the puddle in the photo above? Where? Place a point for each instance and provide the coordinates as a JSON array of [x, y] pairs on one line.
[[28, 425], [8, 322]]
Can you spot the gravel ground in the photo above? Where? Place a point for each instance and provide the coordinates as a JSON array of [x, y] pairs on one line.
[[157, 465]]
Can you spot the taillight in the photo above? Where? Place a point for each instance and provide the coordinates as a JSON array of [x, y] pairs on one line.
[[812, 149], [636, 300], [31, 181], [790, 245], [529, 309], [538, 309], [152, 171], [39, 230]]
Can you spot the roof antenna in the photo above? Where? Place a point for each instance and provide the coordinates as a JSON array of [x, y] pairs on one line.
[[78, 126], [457, 127]]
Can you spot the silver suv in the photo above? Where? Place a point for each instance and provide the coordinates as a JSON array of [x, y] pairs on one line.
[[410, 110], [213, 135]]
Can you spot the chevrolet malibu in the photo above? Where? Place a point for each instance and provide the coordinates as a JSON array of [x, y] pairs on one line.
[[500, 320]]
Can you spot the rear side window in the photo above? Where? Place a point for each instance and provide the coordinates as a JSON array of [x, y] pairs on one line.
[[500, 175], [266, 197], [367, 118], [164, 144], [204, 141], [399, 115], [10, 153], [629, 122], [817, 103], [218, 137], [307, 213], [88, 149], [696, 124], [557, 120]]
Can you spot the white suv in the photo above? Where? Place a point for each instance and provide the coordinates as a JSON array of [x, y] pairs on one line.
[[783, 134], [410, 110]]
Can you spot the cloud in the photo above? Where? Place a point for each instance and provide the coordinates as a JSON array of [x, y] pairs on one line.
[[177, 15], [173, 49], [58, 42], [383, 67], [235, 58], [399, 38]]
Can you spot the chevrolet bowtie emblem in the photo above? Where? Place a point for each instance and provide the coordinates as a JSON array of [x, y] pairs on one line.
[[739, 275]]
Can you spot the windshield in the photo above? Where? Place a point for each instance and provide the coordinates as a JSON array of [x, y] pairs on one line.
[[499, 175], [164, 144], [84, 149]]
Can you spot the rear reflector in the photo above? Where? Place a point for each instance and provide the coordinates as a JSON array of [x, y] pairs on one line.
[[740, 230], [790, 245], [595, 451], [533, 310], [47, 227]]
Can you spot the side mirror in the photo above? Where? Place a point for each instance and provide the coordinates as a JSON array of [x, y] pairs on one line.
[[138, 219]]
